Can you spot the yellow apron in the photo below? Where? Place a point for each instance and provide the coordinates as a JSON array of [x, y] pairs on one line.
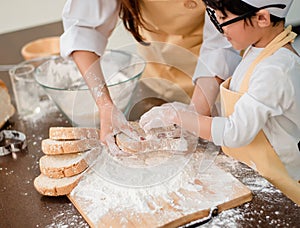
[[176, 36], [259, 154]]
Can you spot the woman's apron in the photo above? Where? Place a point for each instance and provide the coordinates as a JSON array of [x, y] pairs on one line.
[[259, 154], [176, 30]]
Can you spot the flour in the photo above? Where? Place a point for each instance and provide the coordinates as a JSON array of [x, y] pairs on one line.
[[66, 217], [58, 73], [46, 107], [64, 84], [255, 182], [111, 191], [265, 194], [154, 147]]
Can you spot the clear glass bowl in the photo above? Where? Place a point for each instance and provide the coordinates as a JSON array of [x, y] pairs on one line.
[[64, 84]]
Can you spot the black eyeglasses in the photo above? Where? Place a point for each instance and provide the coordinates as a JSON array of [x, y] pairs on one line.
[[212, 16]]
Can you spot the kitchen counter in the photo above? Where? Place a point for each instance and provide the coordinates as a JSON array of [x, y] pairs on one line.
[[22, 206]]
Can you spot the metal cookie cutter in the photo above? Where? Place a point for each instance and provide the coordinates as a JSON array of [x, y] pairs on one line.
[[11, 141]]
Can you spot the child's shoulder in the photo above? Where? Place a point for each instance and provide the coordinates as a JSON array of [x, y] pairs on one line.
[[276, 76], [284, 55], [281, 67], [283, 60]]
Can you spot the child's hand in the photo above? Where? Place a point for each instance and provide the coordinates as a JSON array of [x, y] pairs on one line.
[[159, 116], [177, 113]]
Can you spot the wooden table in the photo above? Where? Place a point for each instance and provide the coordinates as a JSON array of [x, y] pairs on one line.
[[22, 206]]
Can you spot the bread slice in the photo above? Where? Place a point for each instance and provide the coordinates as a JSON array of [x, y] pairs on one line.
[[7, 109], [67, 165], [73, 133], [55, 186], [159, 139], [55, 147], [130, 145]]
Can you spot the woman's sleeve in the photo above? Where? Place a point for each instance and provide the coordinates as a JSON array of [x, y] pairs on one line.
[[217, 56], [87, 25]]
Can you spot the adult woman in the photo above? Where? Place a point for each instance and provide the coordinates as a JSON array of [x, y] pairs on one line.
[[173, 33]]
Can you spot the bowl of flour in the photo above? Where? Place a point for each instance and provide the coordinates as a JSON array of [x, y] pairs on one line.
[[64, 84]]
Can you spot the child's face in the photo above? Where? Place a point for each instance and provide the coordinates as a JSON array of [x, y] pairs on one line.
[[239, 34]]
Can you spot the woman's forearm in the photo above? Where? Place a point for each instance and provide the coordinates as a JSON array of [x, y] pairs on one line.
[[84, 59], [88, 64], [205, 94]]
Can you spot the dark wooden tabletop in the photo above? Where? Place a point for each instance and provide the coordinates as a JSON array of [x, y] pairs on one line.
[[22, 206]]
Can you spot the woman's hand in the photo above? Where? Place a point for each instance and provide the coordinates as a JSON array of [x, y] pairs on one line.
[[112, 122]]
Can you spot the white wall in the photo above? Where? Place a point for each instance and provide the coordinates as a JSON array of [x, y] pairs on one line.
[[20, 14], [294, 16]]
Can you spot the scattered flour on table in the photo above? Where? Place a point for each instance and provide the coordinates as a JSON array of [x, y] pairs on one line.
[[98, 197], [265, 195], [66, 217], [46, 107]]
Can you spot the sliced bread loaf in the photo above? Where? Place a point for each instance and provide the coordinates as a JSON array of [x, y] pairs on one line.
[[66, 165], [73, 133], [55, 186], [129, 145], [7, 109], [160, 139], [56, 147], [68, 152]]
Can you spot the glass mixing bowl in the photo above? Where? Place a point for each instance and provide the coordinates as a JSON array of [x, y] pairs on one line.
[[63, 83]]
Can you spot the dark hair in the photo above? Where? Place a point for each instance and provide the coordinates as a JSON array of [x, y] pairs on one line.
[[130, 13], [238, 7]]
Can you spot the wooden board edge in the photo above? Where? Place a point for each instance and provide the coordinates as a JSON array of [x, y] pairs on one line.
[[247, 197], [204, 213], [80, 211], [187, 219]]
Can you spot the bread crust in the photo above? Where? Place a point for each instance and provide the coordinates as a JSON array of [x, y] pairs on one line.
[[56, 147], [68, 153], [161, 139], [67, 165], [60, 172], [2, 85], [55, 186], [73, 133], [7, 109]]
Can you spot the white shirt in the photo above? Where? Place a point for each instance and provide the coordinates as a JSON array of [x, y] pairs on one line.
[[89, 23], [217, 57], [272, 103]]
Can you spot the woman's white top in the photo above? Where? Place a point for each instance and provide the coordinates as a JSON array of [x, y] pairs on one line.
[[272, 104], [89, 23]]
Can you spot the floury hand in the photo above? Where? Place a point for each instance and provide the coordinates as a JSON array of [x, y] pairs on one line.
[[180, 114], [112, 120], [119, 124]]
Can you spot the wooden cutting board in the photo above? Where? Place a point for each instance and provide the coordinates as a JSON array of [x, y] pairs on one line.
[[171, 193]]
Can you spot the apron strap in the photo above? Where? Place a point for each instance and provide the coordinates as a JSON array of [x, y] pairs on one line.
[[279, 41]]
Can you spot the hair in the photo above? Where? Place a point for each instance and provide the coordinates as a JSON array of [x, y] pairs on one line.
[[238, 7], [130, 13]]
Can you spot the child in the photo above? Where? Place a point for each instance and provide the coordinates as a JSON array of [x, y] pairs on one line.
[[261, 102]]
